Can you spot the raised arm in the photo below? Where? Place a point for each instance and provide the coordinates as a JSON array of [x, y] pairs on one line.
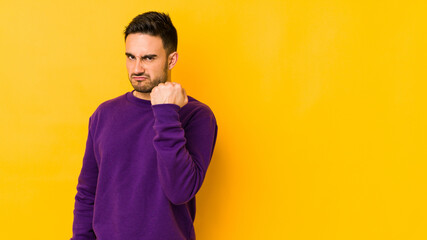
[[183, 152]]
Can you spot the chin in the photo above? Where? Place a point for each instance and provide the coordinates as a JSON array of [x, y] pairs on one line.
[[142, 89]]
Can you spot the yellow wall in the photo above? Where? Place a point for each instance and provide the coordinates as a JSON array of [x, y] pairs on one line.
[[321, 107]]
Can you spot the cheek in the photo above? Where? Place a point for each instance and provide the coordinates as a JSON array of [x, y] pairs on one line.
[[160, 68], [129, 66]]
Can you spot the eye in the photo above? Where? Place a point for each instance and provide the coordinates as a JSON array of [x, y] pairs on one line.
[[148, 58], [130, 57]]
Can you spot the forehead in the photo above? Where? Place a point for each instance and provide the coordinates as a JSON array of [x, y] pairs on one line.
[[141, 44]]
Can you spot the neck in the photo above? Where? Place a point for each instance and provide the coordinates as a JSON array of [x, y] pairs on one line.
[[145, 96]]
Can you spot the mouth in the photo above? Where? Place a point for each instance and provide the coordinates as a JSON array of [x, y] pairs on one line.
[[139, 78]]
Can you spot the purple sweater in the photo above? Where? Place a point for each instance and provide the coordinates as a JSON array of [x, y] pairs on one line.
[[142, 167]]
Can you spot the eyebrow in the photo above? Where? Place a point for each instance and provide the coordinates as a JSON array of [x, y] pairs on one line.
[[145, 56]]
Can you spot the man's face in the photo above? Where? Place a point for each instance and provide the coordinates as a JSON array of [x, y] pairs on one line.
[[146, 61]]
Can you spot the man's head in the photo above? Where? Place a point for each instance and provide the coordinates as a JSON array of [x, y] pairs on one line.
[[151, 43], [155, 24]]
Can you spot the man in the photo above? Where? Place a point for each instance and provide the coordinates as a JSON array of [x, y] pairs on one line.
[[148, 150]]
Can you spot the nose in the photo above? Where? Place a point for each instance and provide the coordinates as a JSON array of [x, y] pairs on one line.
[[138, 67]]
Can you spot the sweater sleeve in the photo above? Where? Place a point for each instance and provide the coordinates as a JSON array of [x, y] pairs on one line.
[[85, 197], [183, 155]]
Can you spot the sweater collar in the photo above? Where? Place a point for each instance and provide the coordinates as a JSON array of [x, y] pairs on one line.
[[138, 101]]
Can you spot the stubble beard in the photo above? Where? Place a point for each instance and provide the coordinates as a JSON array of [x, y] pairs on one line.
[[148, 85]]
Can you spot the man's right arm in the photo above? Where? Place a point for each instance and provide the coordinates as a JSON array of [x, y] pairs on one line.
[[85, 197]]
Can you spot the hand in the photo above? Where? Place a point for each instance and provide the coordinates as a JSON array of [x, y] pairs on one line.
[[169, 92]]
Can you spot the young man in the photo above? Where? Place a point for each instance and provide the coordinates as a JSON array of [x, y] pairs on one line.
[[148, 150]]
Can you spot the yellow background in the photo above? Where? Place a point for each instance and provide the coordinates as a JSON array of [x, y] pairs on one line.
[[320, 107]]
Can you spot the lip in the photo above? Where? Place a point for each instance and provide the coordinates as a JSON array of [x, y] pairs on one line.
[[139, 78]]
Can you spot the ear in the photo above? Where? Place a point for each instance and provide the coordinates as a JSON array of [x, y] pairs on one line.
[[172, 59]]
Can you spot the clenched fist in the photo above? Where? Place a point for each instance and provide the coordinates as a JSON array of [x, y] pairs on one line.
[[169, 92]]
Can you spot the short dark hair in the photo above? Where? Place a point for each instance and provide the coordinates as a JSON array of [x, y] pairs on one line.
[[155, 24]]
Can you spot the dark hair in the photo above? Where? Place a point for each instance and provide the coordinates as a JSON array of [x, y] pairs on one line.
[[155, 24]]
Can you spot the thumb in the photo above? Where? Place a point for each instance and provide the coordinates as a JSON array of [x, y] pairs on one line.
[[185, 96]]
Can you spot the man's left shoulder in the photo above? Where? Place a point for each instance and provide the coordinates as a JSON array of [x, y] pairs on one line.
[[194, 106], [195, 109]]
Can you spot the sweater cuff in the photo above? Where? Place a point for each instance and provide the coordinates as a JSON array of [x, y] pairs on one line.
[[166, 113]]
